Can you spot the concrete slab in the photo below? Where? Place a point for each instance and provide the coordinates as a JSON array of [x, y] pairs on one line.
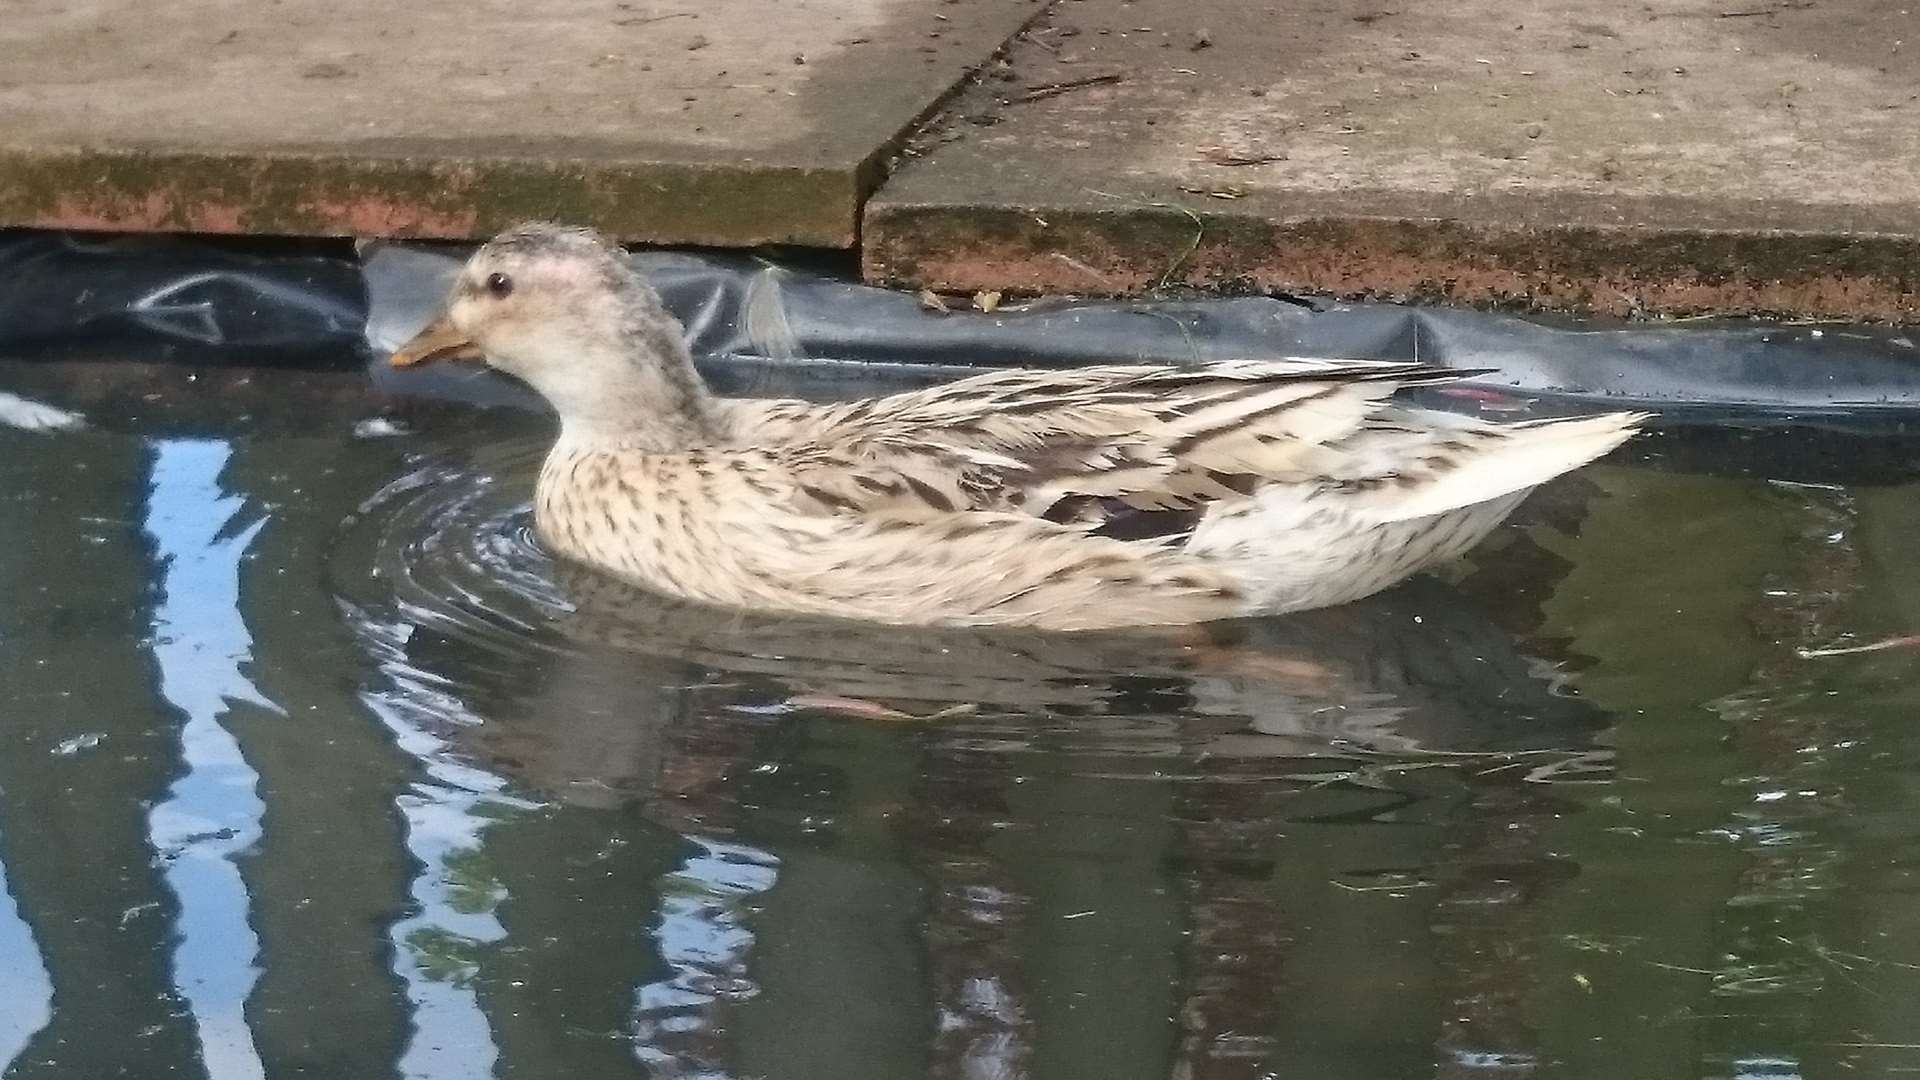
[[1668, 156], [725, 122]]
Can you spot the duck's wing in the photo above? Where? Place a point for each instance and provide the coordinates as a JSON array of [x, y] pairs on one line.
[[914, 536], [1014, 409], [1130, 452]]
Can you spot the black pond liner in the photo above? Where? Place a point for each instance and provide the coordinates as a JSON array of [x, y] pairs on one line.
[[750, 320]]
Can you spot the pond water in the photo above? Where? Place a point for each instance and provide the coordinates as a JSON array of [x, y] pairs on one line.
[[315, 766]]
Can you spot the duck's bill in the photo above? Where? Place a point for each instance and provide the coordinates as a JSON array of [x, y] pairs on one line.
[[439, 341]]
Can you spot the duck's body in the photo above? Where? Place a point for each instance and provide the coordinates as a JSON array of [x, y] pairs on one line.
[[1078, 499]]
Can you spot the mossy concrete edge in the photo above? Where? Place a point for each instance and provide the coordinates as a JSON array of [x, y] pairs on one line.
[[1585, 268], [342, 194]]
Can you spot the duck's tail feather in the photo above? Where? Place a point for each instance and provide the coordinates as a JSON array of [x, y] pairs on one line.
[[1507, 459]]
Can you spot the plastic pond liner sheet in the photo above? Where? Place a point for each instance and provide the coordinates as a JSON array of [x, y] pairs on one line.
[[748, 317]]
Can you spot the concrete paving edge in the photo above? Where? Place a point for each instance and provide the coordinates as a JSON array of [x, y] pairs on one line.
[[1481, 261], [327, 194]]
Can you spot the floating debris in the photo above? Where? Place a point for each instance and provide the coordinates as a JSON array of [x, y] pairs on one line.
[[1850, 650], [872, 710], [18, 412], [70, 747], [378, 427]]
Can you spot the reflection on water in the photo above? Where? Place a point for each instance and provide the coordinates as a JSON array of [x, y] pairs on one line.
[[446, 811], [320, 768], [212, 812], [26, 996], [705, 941]]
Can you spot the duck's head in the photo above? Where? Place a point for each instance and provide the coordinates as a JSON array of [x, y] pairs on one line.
[[560, 309]]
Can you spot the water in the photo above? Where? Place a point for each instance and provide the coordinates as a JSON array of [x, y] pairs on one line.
[[317, 767]]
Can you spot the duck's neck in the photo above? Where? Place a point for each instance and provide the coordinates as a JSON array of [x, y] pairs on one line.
[[641, 395]]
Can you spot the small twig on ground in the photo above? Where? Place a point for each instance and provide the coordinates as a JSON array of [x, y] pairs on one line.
[[1047, 90], [1225, 158], [1199, 230], [1104, 281], [642, 20], [1199, 233], [1747, 13]]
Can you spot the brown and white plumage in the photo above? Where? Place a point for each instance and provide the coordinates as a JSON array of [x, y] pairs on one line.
[[1077, 499]]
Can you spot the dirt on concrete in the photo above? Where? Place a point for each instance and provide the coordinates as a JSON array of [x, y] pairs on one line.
[[1672, 156]]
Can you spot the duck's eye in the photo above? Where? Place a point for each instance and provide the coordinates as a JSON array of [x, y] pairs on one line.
[[500, 285]]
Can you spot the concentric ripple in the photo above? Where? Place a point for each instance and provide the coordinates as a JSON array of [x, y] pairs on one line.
[[450, 544]]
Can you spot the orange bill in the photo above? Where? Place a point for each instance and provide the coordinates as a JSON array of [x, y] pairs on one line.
[[439, 341]]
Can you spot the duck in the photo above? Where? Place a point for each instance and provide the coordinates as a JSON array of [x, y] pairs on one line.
[[1091, 498]]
